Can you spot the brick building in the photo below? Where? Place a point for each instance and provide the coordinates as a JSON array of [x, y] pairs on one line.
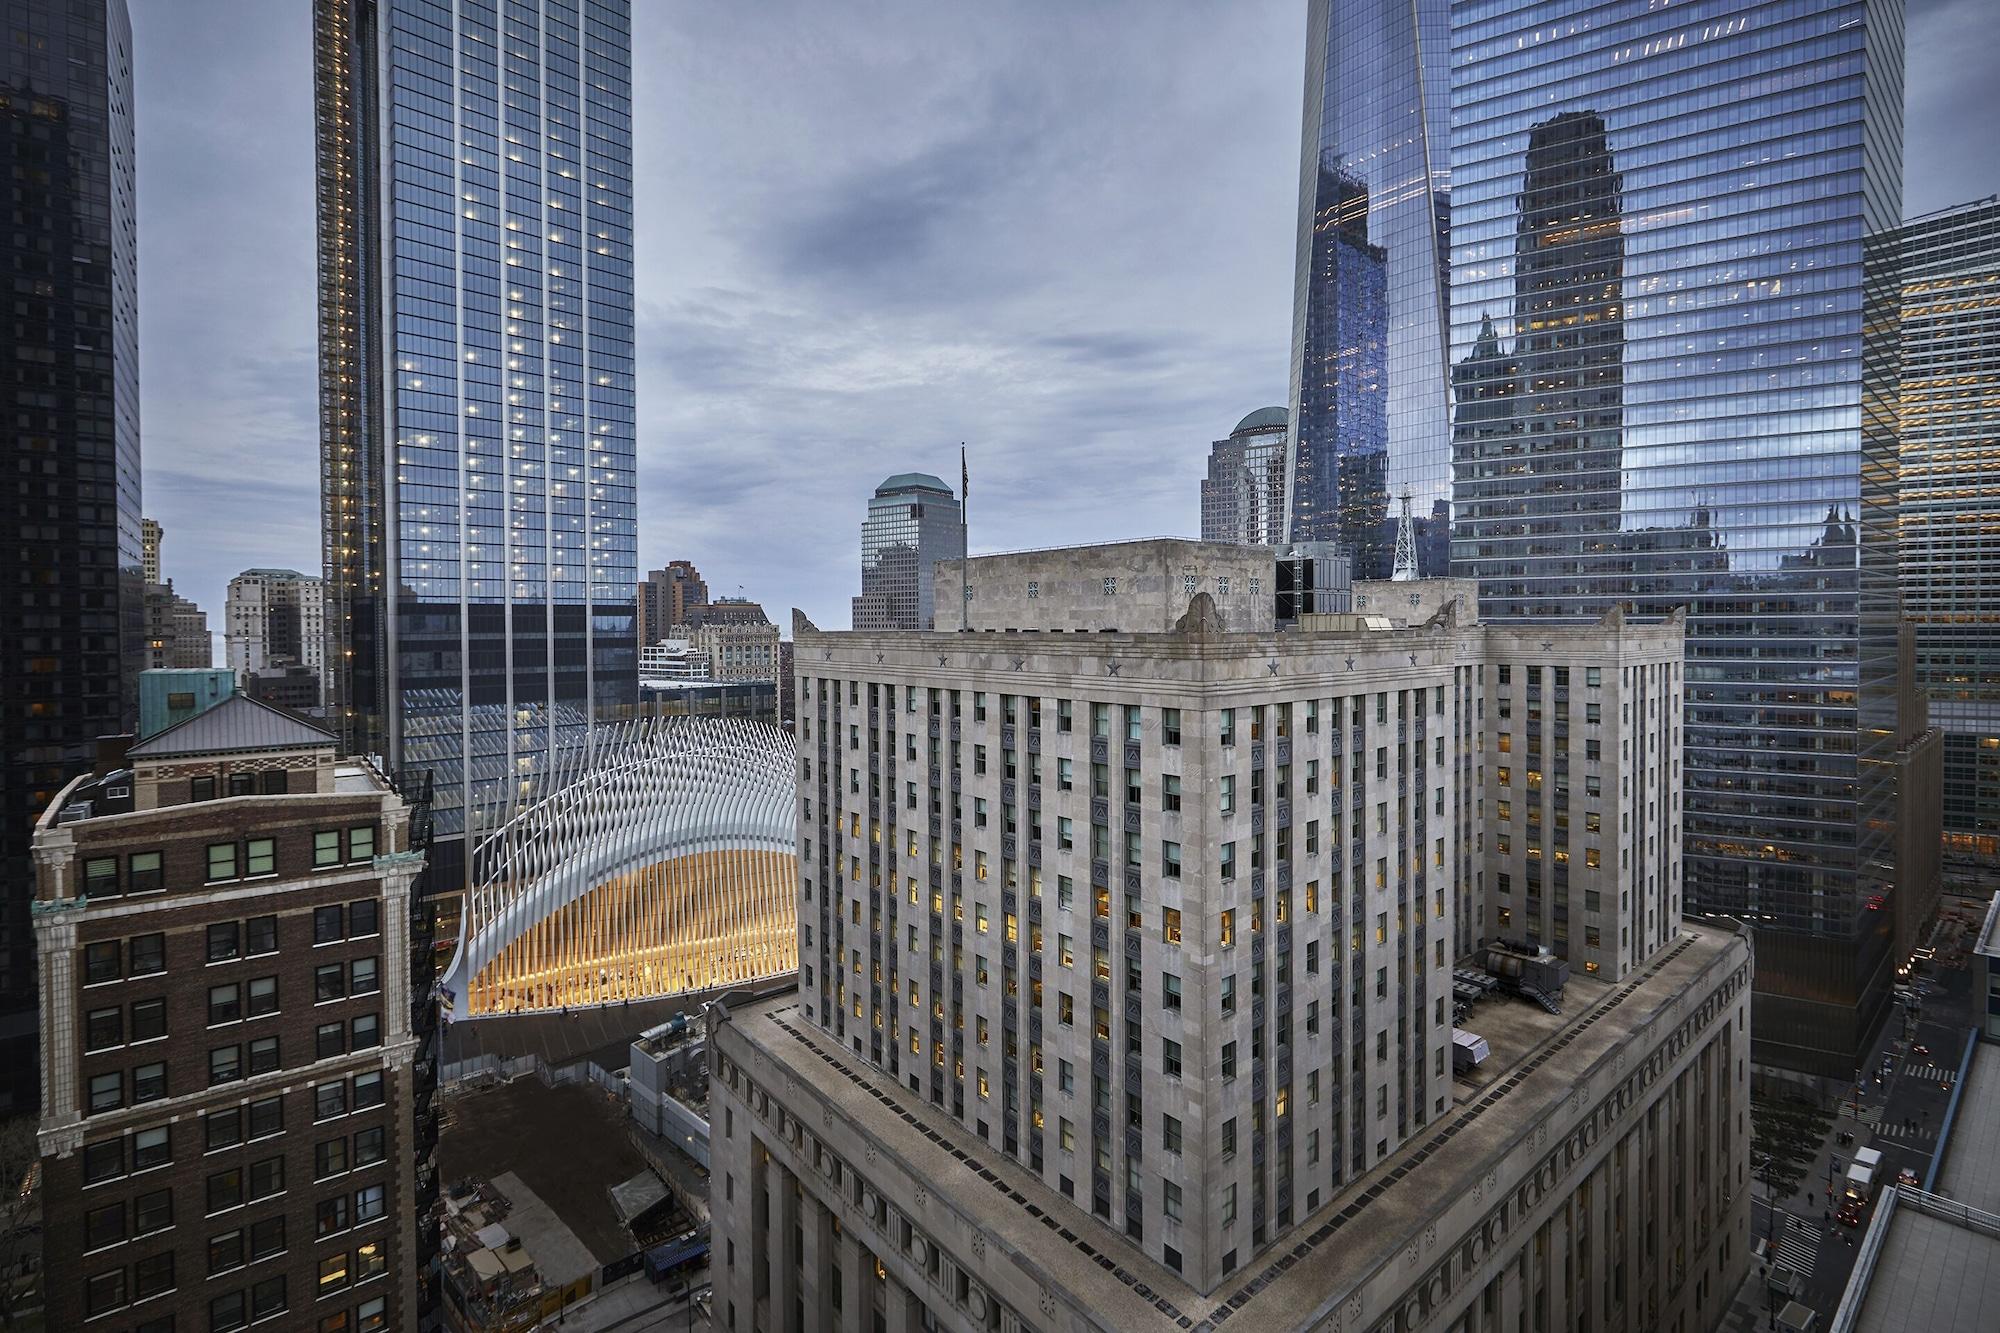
[[227, 1110]]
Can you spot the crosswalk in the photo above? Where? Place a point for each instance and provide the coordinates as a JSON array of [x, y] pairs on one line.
[[1798, 1244], [1928, 1073], [1897, 1131]]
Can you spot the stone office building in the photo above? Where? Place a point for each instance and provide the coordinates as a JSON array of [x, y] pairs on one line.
[[228, 1089], [1152, 931]]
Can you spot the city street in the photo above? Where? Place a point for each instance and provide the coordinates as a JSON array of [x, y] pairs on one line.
[[1898, 1112]]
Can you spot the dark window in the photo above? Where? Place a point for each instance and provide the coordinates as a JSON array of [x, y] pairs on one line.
[[153, 1275], [225, 1252], [149, 1082], [369, 1203], [100, 962], [201, 789], [104, 1226], [152, 1211], [267, 1237], [364, 918], [267, 1117], [368, 1146], [224, 941], [144, 874], [225, 1065], [242, 784], [367, 1031], [107, 1092], [225, 1189], [221, 1129], [267, 1177], [326, 924], [366, 978], [228, 1311], [158, 1324], [103, 1161], [150, 1148], [329, 1100], [100, 877], [179, 701], [225, 1003], [104, 1028], [148, 954], [104, 1292], [267, 1297], [329, 1040], [331, 1215], [262, 996], [276, 782], [149, 1020], [264, 1055], [329, 982], [367, 1090], [260, 935], [329, 1158]]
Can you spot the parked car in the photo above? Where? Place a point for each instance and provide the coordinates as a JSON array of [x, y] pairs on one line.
[[1849, 1213], [1908, 1177]]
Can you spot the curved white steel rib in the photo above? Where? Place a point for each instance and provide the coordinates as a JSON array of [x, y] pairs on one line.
[[632, 797]]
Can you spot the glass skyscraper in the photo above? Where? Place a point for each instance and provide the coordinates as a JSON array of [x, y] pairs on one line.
[[913, 522], [477, 455], [1369, 387], [1951, 505], [73, 600], [1673, 353]]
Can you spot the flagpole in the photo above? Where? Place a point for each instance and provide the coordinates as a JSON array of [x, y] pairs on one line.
[[965, 541]]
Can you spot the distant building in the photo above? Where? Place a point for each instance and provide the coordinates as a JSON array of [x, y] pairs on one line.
[[730, 611], [752, 700], [787, 709], [736, 650], [669, 597], [295, 687], [176, 631], [223, 929], [149, 545], [1243, 495], [275, 619], [671, 660], [913, 522]]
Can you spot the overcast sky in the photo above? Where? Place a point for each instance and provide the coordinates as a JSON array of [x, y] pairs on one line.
[[866, 231]]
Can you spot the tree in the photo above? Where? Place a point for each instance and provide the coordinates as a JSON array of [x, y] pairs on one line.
[[1786, 1136], [20, 1220]]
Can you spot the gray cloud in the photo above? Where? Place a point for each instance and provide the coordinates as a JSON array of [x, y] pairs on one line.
[[1061, 233]]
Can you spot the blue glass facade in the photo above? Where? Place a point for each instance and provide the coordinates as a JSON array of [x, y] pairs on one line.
[[477, 373], [1370, 420], [1672, 347]]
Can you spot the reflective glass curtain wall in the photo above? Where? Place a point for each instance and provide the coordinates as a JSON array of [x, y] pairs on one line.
[[1369, 389], [1950, 545], [477, 381], [913, 522], [73, 599], [1672, 320]]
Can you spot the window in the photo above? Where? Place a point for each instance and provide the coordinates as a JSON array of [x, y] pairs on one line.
[[329, 1040], [100, 962], [201, 788], [1170, 924], [103, 1161], [151, 1148], [1170, 726], [146, 955], [327, 924], [329, 1158], [330, 1215], [1229, 1059], [329, 982], [267, 1117], [104, 1292], [100, 877], [267, 1297], [224, 942], [1229, 860], [364, 917], [225, 1065], [365, 977], [1170, 1201], [222, 1129], [1170, 1058], [224, 1004], [262, 997], [228, 1311], [260, 935], [104, 1028], [149, 1082], [326, 847], [221, 861], [361, 843], [1170, 991], [367, 1090], [104, 1226], [260, 857], [225, 1189], [242, 784], [152, 1211], [107, 1092], [369, 1146], [225, 1251], [267, 1177], [1111, 586], [267, 1237], [275, 782], [329, 1100], [143, 873], [373, 1316], [1170, 792]]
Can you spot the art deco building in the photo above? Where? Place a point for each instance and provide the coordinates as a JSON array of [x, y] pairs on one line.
[[477, 439], [230, 1073], [668, 597], [1676, 386], [275, 619], [1369, 409], [72, 645], [1243, 495], [1950, 505], [1130, 937], [913, 522]]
